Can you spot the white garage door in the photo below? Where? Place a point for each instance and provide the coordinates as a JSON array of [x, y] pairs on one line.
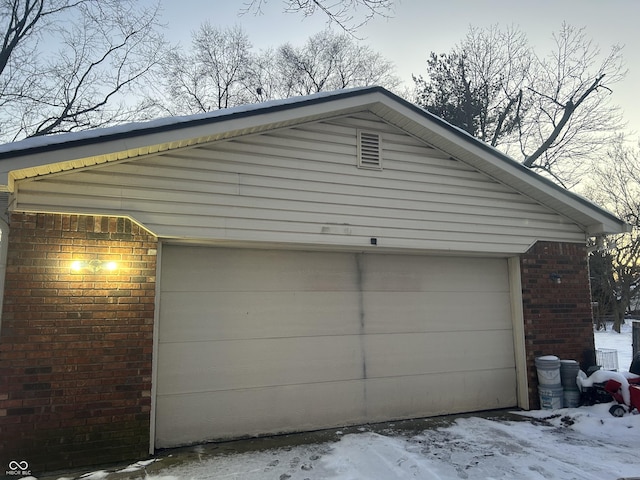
[[257, 341]]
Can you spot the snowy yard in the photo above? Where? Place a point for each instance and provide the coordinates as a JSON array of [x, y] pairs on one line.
[[620, 342], [581, 443]]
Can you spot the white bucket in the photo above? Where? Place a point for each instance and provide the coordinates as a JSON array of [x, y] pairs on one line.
[[548, 371], [551, 398]]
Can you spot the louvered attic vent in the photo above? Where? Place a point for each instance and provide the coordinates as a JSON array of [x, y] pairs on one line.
[[369, 150]]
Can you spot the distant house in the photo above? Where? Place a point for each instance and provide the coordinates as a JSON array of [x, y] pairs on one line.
[[327, 260]]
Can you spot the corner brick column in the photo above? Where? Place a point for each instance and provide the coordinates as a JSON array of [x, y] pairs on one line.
[[557, 316], [76, 348]]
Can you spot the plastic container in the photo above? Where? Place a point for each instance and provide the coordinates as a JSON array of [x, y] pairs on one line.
[[569, 370], [548, 368], [551, 398], [607, 359]]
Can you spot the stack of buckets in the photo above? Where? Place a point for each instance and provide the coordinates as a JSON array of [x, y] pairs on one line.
[[569, 370], [549, 383], [557, 386]]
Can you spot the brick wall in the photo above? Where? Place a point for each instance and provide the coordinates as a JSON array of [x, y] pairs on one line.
[[76, 348], [557, 317]]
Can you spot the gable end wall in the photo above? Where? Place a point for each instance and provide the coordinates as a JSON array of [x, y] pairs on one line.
[[302, 186], [76, 349]]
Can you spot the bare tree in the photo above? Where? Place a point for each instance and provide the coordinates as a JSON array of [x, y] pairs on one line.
[[615, 183], [479, 85], [264, 81], [615, 275], [222, 71], [69, 64], [349, 15], [212, 75], [572, 115], [551, 112], [330, 61]]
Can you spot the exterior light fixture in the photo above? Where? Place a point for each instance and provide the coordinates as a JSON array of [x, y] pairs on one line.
[[94, 266], [555, 277]]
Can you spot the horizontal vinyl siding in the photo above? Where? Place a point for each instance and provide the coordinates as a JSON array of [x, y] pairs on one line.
[[301, 185]]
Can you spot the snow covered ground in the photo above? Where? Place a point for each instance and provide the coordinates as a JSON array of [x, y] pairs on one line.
[[617, 341], [584, 443]]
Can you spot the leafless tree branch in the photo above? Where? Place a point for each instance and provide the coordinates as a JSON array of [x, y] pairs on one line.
[[553, 112], [96, 52], [349, 15]]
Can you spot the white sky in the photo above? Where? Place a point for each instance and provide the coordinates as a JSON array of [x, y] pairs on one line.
[[419, 26]]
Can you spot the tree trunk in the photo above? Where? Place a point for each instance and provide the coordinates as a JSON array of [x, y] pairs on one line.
[[618, 316]]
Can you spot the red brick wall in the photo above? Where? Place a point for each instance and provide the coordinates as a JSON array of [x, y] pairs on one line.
[[557, 317], [76, 348]]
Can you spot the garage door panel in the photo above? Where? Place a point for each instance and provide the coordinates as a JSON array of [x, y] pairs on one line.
[[244, 315], [255, 411], [440, 393], [240, 364], [406, 273], [420, 353], [388, 312], [201, 269], [257, 341]]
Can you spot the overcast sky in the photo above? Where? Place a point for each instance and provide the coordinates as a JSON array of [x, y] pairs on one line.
[[418, 27]]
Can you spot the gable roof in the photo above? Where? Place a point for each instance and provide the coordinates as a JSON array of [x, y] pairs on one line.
[[53, 154]]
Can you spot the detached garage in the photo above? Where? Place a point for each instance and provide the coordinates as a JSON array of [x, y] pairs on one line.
[[302, 264]]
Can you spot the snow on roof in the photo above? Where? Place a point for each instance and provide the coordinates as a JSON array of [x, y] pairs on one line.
[[165, 123]]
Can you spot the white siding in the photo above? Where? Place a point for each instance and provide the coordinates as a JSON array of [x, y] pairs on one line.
[[301, 185]]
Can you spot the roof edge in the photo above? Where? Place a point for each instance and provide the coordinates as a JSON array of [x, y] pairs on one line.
[[168, 124]]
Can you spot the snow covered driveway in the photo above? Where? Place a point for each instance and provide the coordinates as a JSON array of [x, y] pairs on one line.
[[584, 443]]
